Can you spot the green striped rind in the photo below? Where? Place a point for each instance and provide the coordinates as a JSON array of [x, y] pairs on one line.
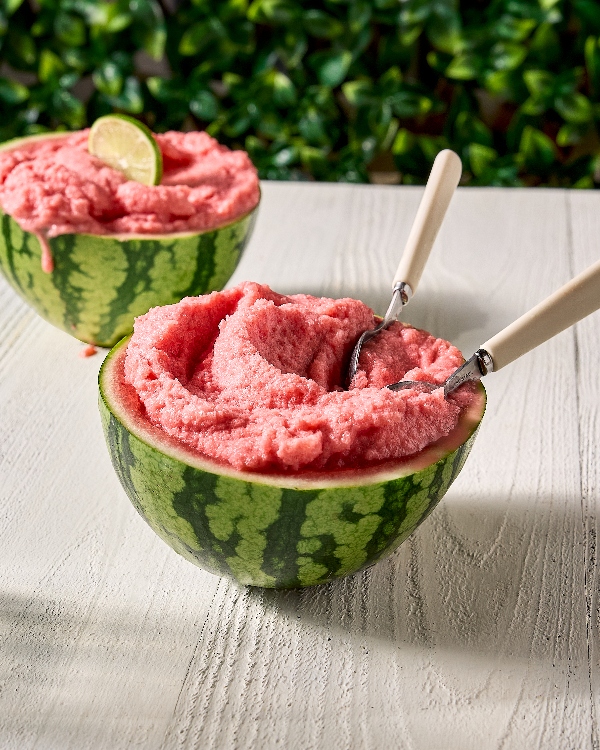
[[100, 283], [268, 530]]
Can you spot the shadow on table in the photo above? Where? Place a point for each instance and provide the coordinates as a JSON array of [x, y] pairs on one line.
[[499, 577]]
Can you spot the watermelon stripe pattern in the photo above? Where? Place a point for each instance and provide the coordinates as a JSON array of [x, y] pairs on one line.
[[100, 283], [266, 535]]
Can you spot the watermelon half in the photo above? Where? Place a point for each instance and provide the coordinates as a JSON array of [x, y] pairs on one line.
[[279, 530], [100, 283]]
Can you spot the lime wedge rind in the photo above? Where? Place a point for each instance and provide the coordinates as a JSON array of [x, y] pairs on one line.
[[126, 144]]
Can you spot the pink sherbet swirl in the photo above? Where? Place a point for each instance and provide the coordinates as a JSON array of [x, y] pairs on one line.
[[253, 379], [54, 186]]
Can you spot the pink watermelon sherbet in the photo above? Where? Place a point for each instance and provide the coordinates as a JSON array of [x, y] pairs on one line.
[[53, 186], [254, 379]]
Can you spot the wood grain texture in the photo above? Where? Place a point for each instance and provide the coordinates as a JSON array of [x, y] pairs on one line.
[[482, 631], [585, 230]]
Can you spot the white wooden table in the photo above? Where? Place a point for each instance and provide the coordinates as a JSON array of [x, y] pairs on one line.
[[482, 631]]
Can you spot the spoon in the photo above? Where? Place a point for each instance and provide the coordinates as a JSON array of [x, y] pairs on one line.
[[442, 182], [572, 302]]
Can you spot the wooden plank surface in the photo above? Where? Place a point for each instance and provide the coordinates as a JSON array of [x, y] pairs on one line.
[[480, 632]]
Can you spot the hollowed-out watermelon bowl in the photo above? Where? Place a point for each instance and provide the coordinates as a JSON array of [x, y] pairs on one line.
[[272, 530], [101, 283]]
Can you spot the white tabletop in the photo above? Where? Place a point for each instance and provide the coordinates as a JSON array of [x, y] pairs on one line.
[[482, 631]]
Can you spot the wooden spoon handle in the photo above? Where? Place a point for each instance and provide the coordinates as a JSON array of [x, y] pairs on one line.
[[442, 182], [572, 302]]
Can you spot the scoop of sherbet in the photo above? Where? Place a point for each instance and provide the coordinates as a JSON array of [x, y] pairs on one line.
[[54, 186], [254, 379]]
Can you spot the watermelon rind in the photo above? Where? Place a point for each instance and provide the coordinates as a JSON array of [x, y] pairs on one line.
[[272, 530], [101, 283]]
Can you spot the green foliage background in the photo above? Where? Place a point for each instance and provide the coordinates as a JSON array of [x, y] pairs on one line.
[[335, 90]]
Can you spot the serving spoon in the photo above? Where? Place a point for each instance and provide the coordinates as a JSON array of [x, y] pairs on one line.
[[443, 179], [572, 302]]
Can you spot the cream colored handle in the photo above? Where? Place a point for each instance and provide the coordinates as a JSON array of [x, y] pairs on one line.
[[442, 182], [572, 302]]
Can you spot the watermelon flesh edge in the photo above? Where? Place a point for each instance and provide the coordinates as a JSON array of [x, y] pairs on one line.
[[272, 530]]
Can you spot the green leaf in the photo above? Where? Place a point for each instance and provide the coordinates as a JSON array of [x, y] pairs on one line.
[[154, 41], [415, 13], [70, 29], [322, 25], [12, 92], [50, 66], [575, 108], [68, 80], [410, 35], [11, 6], [500, 83], [130, 99], [390, 81], [276, 11], [107, 17], [431, 147], [237, 123], [592, 62], [536, 149], [481, 157], [533, 107], [284, 91], [196, 38], [68, 108], [78, 59], [314, 158], [146, 12], [22, 46], [108, 78], [361, 42], [204, 105], [359, 16], [464, 67], [470, 129], [404, 142], [390, 134], [410, 104], [568, 81], [232, 80], [312, 127], [515, 29], [587, 13], [285, 157], [232, 8], [545, 45], [159, 88], [331, 66], [570, 134], [272, 126], [507, 56], [548, 4], [539, 82], [359, 92], [445, 33]]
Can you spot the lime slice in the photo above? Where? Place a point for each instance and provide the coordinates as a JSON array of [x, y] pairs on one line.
[[127, 145]]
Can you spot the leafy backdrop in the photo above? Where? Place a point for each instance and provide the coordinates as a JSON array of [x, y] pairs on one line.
[[343, 90]]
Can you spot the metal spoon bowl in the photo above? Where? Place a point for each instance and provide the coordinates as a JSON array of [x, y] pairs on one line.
[[400, 296], [473, 369]]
